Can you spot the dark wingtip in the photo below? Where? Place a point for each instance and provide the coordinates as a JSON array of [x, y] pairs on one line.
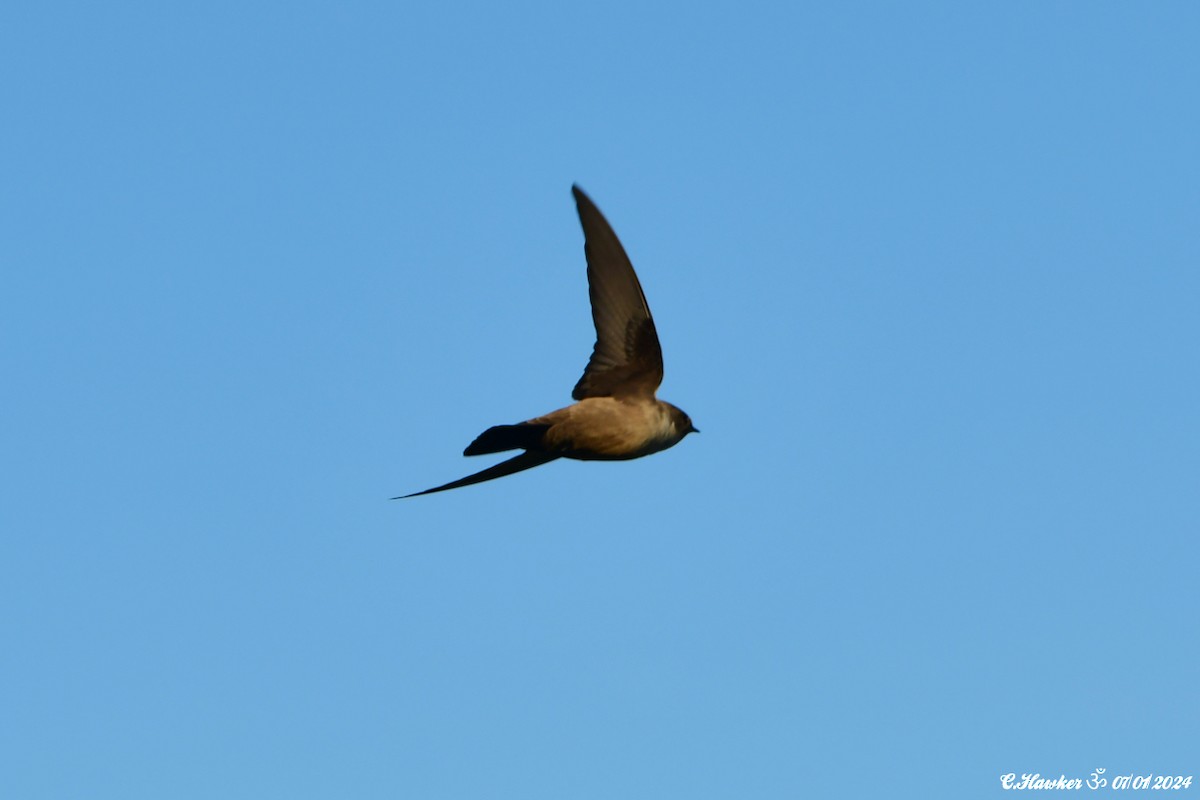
[[586, 207]]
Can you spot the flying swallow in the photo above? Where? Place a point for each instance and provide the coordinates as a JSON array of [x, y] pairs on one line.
[[617, 416]]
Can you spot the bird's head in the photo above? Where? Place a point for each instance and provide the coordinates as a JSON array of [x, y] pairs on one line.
[[681, 422]]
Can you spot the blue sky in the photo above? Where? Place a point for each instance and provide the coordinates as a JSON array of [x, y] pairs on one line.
[[925, 275]]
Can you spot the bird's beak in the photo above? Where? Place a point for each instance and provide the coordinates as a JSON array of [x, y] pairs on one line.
[[694, 429]]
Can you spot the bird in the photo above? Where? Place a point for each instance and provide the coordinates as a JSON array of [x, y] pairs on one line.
[[616, 415]]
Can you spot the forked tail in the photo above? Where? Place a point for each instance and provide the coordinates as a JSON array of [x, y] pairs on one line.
[[524, 436]]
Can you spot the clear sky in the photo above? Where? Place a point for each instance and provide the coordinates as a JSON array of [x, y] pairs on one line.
[[926, 275]]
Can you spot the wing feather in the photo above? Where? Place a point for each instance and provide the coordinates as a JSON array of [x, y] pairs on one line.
[[526, 460], [627, 357]]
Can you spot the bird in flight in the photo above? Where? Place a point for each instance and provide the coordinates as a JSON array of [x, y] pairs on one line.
[[617, 416]]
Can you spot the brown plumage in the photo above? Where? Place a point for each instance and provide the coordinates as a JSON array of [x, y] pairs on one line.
[[618, 416]]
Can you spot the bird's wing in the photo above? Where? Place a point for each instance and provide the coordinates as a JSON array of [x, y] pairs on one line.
[[526, 460], [627, 358]]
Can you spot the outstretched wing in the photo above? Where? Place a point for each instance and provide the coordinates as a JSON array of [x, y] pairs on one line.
[[526, 460], [627, 358]]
